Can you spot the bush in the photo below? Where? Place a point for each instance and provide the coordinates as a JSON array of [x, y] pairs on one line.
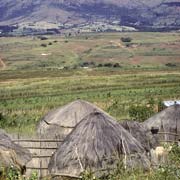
[[108, 65], [116, 65], [171, 169], [126, 39], [160, 105], [87, 64], [43, 38], [99, 65], [43, 45], [88, 175], [1, 117], [3, 121], [140, 112], [170, 65], [14, 174]]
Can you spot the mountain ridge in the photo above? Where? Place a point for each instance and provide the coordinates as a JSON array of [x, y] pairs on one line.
[[138, 13]]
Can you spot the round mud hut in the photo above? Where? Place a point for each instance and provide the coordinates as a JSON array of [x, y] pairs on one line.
[[12, 155], [59, 123], [167, 123], [141, 133], [97, 144]]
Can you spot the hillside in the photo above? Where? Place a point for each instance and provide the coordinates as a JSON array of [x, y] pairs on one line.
[[135, 13]]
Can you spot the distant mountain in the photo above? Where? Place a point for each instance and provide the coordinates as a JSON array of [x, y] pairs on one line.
[[136, 13]]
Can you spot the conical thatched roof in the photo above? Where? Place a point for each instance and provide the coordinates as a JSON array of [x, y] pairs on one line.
[[12, 154], [141, 133], [61, 121], [96, 143], [167, 120]]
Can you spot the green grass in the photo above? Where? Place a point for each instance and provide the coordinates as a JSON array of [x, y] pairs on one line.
[[25, 101], [33, 84], [144, 50]]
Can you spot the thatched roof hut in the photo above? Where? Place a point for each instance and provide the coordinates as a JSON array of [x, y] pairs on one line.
[[59, 123], [97, 143], [141, 133], [11, 154], [167, 121]]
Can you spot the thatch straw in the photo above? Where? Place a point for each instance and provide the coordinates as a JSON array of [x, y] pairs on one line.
[[12, 154], [167, 121], [60, 122], [141, 133], [96, 143]]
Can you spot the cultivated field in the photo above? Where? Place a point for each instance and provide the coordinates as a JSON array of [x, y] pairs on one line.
[[37, 75]]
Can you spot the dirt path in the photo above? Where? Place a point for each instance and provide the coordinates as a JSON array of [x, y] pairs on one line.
[[2, 64]]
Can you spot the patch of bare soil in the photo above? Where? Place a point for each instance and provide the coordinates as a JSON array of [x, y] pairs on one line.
[[2, 64]]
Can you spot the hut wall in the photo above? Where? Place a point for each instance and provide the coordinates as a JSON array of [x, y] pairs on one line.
[[41, 150]]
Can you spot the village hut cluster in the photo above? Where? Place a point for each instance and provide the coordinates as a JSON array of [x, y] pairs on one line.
[[90, 139]]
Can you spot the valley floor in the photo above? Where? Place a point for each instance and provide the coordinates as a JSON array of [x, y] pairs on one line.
[[45, 73]]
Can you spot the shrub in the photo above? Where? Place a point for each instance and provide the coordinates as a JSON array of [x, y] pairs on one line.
[[160, 105], [171, 169], [170, 65], [84, 64], [87, 64], [88, 175], [43, 38], [140, 112], [99, 65], [116, 65], [34, 176], [126, 39], [108, 65], [14, 174], [1, 117], [43, 45], [3, 121]]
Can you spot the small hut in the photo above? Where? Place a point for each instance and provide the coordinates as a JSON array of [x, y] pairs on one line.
[[96, 144], [59, 122], [141, 133], [11, 154], [167, 122]]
